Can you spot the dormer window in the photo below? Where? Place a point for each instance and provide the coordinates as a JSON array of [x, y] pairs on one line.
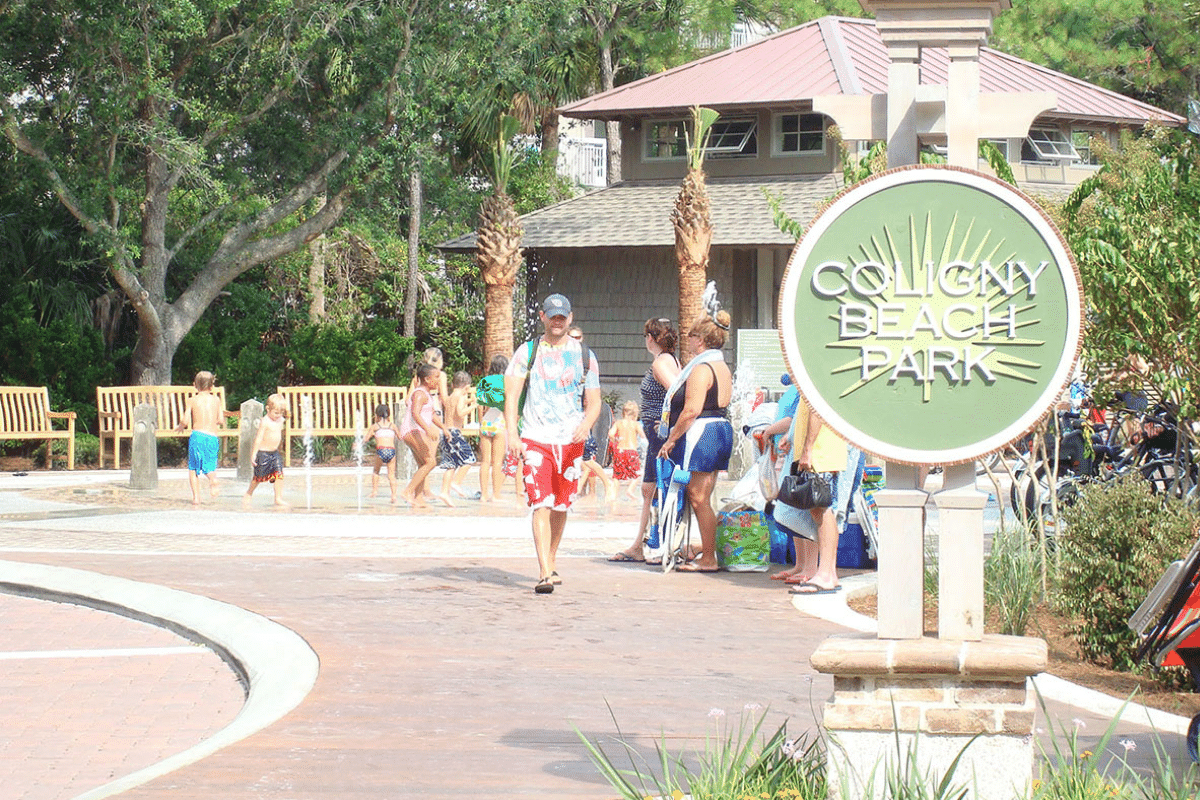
[[799, 134], [1048, 144], [666, 139], [733, 137]]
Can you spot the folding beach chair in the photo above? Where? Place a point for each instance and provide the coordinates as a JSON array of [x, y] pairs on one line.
[[674, 514]]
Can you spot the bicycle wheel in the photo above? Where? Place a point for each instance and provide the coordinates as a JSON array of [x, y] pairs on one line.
[[1160, 475], [674, 521]]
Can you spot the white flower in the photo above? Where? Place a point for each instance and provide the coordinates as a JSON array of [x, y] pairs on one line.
[[1079, 723], [752, 707], [716, 712], [788, 748], [1128, 744]]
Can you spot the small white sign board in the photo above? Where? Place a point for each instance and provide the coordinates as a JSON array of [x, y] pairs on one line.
[[761, 353]]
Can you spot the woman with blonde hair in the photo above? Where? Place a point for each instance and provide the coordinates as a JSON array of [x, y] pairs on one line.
[[700, 437]]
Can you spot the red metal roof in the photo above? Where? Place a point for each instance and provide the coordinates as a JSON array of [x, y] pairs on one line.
[[840, 55]]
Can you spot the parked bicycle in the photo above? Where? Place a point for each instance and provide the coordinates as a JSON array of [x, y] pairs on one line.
[[1086, 447]]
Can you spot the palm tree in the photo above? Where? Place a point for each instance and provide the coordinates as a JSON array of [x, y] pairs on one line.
[[498, 246], [692, 219]]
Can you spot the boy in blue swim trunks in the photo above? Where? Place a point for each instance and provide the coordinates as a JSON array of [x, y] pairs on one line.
[[204, 413]]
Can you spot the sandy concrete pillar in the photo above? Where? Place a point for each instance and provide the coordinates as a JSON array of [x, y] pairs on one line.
[[252, 414], [962, 106], [904, 76], [901, 554], [960, 554], [938, 700], [143, 462]]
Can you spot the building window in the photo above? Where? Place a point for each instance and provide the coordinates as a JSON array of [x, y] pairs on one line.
[[733, 137], [666, 139], [1048, 144], [1082, 139], [799, 134], [1002, 146]]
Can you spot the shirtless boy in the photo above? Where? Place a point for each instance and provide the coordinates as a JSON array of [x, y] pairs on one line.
[[623, 440], [268, 461], [204, 413], [457, 407]]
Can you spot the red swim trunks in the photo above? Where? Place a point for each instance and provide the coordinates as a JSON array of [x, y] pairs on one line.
[[626, 465], [552, 474]]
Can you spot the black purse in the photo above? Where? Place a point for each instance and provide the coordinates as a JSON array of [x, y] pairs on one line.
[[805, 490]]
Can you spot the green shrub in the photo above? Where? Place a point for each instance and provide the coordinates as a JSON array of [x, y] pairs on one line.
[[87, 450], [68, 359], [1117, 540], [1012, 578], [374, 354]]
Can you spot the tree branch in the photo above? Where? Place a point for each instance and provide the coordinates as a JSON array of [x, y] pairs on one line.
[[315, 183]]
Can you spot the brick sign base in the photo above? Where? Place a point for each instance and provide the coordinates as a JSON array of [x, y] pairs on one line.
[[915, 704]]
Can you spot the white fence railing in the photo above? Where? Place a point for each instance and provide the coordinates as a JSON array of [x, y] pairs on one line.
[[584, 161]]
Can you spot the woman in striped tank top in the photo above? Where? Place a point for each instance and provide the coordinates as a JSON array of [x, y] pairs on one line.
[[661, 340]]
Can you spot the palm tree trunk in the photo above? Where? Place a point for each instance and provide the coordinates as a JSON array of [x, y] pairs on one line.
[[498, 311], [692, 219]]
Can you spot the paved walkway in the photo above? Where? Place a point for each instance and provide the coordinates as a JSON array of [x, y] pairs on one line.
[[441, 675]]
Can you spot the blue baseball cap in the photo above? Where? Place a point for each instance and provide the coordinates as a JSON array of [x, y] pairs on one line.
[[556, 306]]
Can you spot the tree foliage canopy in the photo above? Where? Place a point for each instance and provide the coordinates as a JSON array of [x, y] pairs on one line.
[[1135, 231], [1147, 49], [194, 140]]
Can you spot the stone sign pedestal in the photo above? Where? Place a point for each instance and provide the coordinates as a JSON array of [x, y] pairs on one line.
[[915, 704]]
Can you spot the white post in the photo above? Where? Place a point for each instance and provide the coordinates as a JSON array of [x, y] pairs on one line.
[[901, 574], [962, 106], [960, 554], [904, 75]]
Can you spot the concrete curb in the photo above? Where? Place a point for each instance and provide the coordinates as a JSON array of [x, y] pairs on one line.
[[835, 608], [277, 667]]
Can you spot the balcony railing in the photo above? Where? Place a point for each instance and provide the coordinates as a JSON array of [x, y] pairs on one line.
[[583, 161]]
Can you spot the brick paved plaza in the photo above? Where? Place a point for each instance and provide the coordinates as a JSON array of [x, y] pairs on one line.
[[441, 674]]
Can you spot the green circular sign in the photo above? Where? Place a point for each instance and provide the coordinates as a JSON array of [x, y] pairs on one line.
[[931, 315]]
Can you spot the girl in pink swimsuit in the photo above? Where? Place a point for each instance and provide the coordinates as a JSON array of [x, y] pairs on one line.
[[420, 431]]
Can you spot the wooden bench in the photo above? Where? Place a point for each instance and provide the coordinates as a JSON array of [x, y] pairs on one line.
[[115, 405], [25, 414], [336, 410]]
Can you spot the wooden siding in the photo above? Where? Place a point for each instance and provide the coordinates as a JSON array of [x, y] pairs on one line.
[[613, 291]]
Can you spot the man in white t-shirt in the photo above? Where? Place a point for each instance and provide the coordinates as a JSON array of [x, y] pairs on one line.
[[561, 406]]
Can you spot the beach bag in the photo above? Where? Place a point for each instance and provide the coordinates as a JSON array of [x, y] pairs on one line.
[[490, 391], [743, 540]]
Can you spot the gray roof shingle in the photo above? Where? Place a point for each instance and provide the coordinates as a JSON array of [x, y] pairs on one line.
[[639, 214]]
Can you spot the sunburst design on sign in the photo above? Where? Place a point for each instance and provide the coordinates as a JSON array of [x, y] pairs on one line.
[[935, 316]]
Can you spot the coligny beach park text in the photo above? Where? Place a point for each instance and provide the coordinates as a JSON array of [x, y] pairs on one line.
[[953, 312]]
